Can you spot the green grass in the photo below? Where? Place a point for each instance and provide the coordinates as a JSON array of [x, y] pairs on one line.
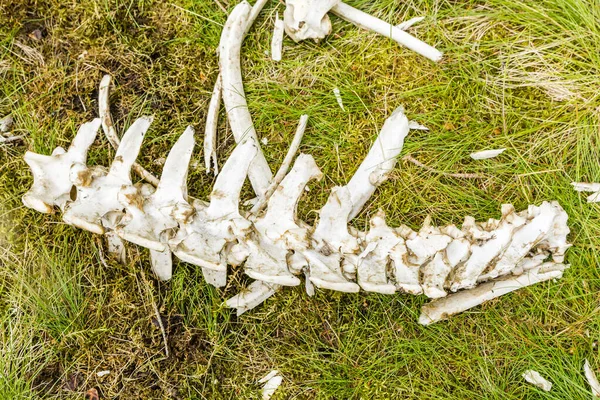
[[517, 74]]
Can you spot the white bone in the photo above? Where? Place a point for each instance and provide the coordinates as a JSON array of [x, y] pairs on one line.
[[148, 223], [338, 98], [417, 126], [98, 192], [6, 123], [109, 128], [308, 19], [278, 232], [256, 293], [234, 97], [455, 303], [162, 264], [590, 376], [202, 238], [380, 160], [482, 255], [536, 379], [271, 382], [383, 28], [588, 187], [51, 174], [407, 24], [334, 246], [277, 40], [210, 132], [485, 154]]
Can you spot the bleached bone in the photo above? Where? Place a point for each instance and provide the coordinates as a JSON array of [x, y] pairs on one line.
[[51, 183], [588, 187], [271, 382], [98, 192], [277, 40], [485, 154], [409, 23], [210, 131], [256, 293], [308, 19], [109, 127], [590, 376], [201, 240], [380, 160], [338, 98], [444, 308], [369, 22], [6, 123], [234, 97], [538, 380], [278, 233]]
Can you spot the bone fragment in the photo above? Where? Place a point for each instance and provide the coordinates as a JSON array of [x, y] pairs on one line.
[[6, 123], [109, 128], [308, 19], [210, 131], [271, 382], [407, 24], [277, 40], [588, 187], [256, 293], [383, 28], [51, 183], [338, 98], [485, 154], [536, 379], [440, 309], [590, 376]]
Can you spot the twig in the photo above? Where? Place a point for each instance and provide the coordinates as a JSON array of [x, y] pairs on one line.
[[101, 252], [162, 327], [218, 3], [109, 128], [430, 169], [285, 166]]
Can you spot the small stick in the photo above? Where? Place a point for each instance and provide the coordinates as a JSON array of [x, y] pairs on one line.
[[218, 3], [101, 252], [162, 327], [11, 139], [285, 165], [430, 169], [109, 128]]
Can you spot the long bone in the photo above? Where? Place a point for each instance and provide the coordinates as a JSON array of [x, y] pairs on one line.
[[234, 97], [308, 19], [51, 183]]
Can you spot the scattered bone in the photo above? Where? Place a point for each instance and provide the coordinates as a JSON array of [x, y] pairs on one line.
[[210, 132], [109, 128], [407, 24], [590, 376], [588, 187], [101, 374], [418, 163], [536, 379], [308, 19], [252, 296], [444, 308], [277, 41], [383, 28], [485, 154], [417, 126], [6, 123], [338, 98], [271, 383]]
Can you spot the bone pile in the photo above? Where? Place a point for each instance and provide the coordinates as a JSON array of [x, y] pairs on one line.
[[459, 268]]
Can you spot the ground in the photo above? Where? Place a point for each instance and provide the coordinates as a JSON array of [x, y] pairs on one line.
[[516, 73]]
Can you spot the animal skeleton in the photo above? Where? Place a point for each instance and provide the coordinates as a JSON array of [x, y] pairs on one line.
[[480, 261]]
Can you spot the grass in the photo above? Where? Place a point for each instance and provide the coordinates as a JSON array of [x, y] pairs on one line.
[[516, 74]]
